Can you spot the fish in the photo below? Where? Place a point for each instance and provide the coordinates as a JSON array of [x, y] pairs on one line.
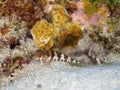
[[51, 55]]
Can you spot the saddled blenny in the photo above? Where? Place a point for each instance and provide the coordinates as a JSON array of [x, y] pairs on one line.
[[49, 56]]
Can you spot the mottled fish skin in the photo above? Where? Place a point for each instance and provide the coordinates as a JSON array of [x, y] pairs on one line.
[[49, 56]]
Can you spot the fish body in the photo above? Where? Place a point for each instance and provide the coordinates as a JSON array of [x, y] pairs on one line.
[[49, 56]]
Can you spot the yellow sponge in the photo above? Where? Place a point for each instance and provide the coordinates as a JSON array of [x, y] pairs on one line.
[[70, 35], [43, 34], [60, 16]]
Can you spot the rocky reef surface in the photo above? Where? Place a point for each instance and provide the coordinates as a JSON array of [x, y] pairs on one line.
[[81, 34]]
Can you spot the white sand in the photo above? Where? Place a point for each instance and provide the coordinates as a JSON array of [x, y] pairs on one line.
[[60, 76]]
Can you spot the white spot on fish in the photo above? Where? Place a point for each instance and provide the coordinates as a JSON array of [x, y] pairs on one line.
[[55, 58], [68, 59], [62, 57], [74, 61], [49, 58]]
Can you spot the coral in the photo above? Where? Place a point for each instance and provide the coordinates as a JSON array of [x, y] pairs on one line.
[[10, 64], [88, 19], [47, 8], [4, 21], [70, 35], [2, 43], [70, 7], [13, 43], [60, 16], [87, 5], [97, 52], [115, 12], [4, 30], [28, 10], [43, 34], [109, 3], [80, 5], [81, 17]]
